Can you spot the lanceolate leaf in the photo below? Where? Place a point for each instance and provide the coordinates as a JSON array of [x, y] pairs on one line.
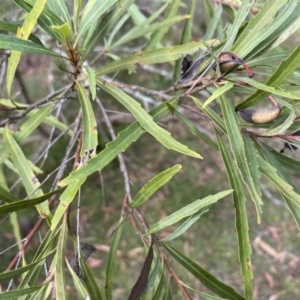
[[24, 204], [271, 173], [238, 149], [23, 33], [120, 144], [250, 36], [153, 185], [60, 280], [145, 120], [187, 211], [150, 57], [241, 219], [92, 12], [107, 23], [29, 179], [184, 227], [13, 43], [208, 280], [65, 199], [90, 134], [112, 259]]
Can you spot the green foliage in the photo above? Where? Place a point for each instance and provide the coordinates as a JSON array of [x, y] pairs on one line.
[[93, 62]]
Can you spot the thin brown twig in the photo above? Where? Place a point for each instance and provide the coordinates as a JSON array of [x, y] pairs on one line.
[[34, 106]]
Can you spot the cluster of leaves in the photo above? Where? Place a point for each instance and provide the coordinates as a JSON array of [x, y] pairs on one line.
[[255, 35]]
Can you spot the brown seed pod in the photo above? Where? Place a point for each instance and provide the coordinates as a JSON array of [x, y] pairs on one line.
[[229, 61], [260, 115]]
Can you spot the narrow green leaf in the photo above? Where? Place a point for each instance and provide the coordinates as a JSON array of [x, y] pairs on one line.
[[60, 8], [124, 139], [112, 259], [139, 32], [153, 185], [45, 20], [65, 199], [90, 282], [29, 179], [241, 219], [23, 33], [156, 56], [13, 43], [90, 134], [208, 280], [250, 35], [157, 36], [6, 276], [13, 28], [184, 226], [218, 92], [145, 120], [274, 161], [238, 20], [79, 286], [6, 196], [213, 24], [18, 293], [287, 67], [60, 280], [238, 150], [92, 81], [271, 173], [24, 204], [107, 23], [92, 12], [159, 291], [187, 211], [265, 87], [76, 13]]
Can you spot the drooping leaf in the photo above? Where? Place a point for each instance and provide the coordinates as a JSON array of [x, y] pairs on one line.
[[145, 120]]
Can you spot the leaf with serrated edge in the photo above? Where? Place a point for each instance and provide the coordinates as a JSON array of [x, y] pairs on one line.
[[184, 226], [65, 199], [13, 43], [187, 211], [241, 218], [23, 33], [60, 278], [31, 183], [146, 121], [150, 57], [90, 134], [238, 150], [208, 280], [123, 140], [112, 259], [250, 35], [153, 185], [92, 81]]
